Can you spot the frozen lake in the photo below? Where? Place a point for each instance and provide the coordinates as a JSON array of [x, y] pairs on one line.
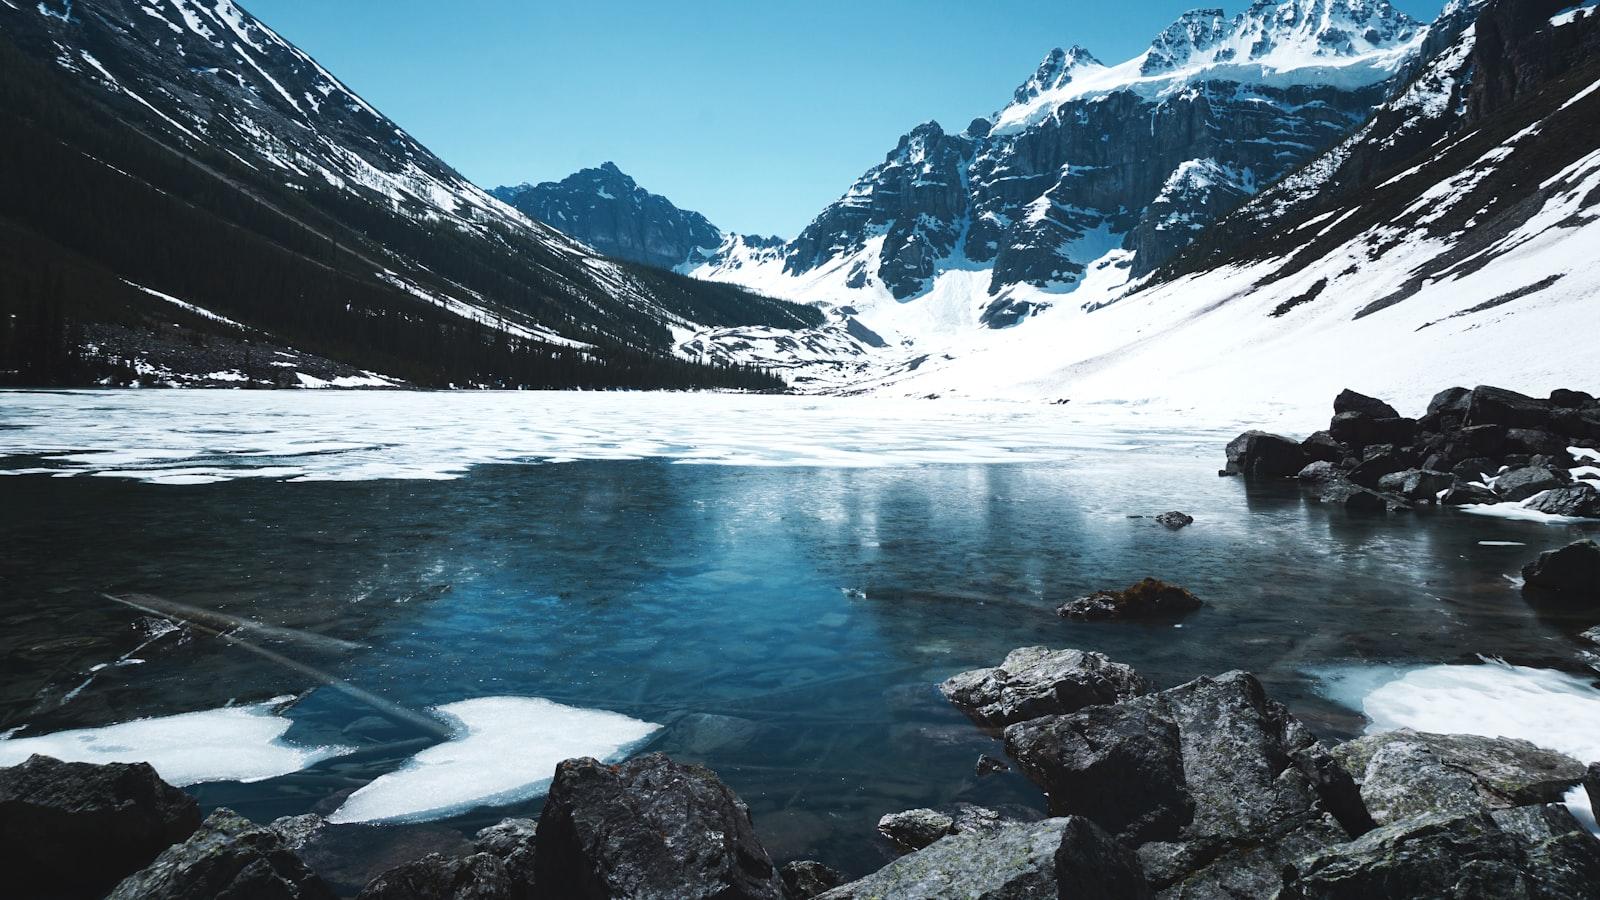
[[771, 586]]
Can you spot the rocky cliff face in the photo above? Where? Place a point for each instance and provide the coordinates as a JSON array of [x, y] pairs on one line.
[[610, 212]]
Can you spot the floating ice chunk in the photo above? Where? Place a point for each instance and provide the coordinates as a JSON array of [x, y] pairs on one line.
[[240, 743], [506, 750]]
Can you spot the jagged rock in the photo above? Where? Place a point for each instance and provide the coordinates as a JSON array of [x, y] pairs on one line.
[[1578, 499], [1591, 781], [1258, 453], [1013, 862], [1535, 440], [988, 765], [915, 828], [1454, 400], [1497, 406], [1320, 472], [1477, 468], [1417, 485], [1321, 446], [649, 827], [1464, 494], [1357, 429], [481, 876], [1572, 570], [1505, 771], [298, 831], [75, 829], [514, 842], [1520, 484], [1091, 863], [1405, 779], [1175, 519], [1374, 466], [1038, 681], [1355, 498], [1350, 401], [1569, 399], [804, 879], [228, 856], [1425, 856], [1563, 859], [1149, 598]]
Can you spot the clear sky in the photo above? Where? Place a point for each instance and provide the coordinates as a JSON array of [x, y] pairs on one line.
[[757, 114]]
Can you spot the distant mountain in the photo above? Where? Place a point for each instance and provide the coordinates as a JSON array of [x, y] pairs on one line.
[[607, 210], [180, 187]]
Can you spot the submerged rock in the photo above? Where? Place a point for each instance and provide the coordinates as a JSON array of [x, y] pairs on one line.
[[1175, 519], [1258, 453], [915, 828], [228, 856], [1038, 681], [1149, 598], [1573, 571], [1504, 772], [804, 879], [649, 827], [1013, 862], [76, 829]]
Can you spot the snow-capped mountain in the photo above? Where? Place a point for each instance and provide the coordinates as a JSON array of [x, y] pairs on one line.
[[1097, 172], [610, 212], [309, 216]]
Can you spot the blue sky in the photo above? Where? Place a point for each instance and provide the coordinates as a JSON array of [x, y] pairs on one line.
[[755, 113]]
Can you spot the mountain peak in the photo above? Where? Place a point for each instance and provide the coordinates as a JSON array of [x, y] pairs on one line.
[[1284, 33], [1057, 69]]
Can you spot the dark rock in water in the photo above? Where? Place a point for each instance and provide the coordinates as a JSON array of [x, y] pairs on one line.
[[1504, 772], [1120, 766], [1355, 498], [1464, 494], [76, 829], [915, 828], [481, 876], [804, 879], [1175, 519], [1013, 862], [1322, 446], [1320, 472], [988, 765], [1573, 570], [649, 827], [1425, 856], [1497, 406], [1577, 499], [1350, 401], [1038, 681], [228, 856], [1567, 399], [1091, 863], [1417, 485], [1149, 598], [1520, 484], [1257, 453]]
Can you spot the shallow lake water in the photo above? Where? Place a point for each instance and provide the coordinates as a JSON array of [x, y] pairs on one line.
[[783, 609]]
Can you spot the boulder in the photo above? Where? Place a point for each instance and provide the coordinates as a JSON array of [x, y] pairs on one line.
[[481, 876], [804, 879], [1320, 472], [1520, 484], [1322, 446], [1504, 772], [1481, 440], [1355, 498], [1497, 406], [1350, 401], [1356, 429], [1439, 855], [1091, 863], [915, 828], [1464, 494], [1257, 453], [649, 827], [1579, 425], [513, 842], [1591, 782], [1563, 398], [1417, 485], [1562, 858], [1013, 862], [1405, 779], [1535, 440], [1175, 519], [76, 830], [1477, 468], [1449, 406], [1147, 599], [1574, 570], [1578, 499], [1038, 681], [228, 856], [1373, 467]]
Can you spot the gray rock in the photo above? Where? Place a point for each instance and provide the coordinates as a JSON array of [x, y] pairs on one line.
[[1421, 857], [1417, 485], [481, 876], [1573, 570], [1506, 772], [1091, 863], [1466, 494], [1580, 499], [1520, 484], [1013, 862], [988, 765], [298, 831], [228, 856], [1320, 472], [804, 879], [915, 828], [1038, 681], [1405, 779], [74, 829], [1355, 498], [513, 842], [1591, 784], [1149, 598], [1175, 519], [1258, 453], [649, 827], [1321, 447]]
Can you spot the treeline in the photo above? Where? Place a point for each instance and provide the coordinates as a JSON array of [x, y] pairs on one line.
[[86, 199]]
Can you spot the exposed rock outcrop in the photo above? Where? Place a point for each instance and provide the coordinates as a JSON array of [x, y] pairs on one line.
[[228, 856], [1014, 862], [1149, 598], [1572, 571], [1038, 681]]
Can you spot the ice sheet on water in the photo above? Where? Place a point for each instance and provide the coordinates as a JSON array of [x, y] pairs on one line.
[[506, 750], [239, 743], [203, 437], [1548, 708]]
